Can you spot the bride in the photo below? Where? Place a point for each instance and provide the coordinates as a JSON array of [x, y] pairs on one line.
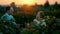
[[39, 20]]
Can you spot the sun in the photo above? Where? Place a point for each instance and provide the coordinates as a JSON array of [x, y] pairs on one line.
[[28, 2]]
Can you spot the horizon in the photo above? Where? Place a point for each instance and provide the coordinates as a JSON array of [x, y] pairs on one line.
[[20, 2]]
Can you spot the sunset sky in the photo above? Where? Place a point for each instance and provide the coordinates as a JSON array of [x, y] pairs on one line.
[[31, 2]]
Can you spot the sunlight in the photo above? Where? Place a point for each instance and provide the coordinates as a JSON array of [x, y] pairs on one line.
[[28, 2]]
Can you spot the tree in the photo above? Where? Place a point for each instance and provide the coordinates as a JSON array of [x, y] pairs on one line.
[[56, 5], [46, 5], [13, 5]]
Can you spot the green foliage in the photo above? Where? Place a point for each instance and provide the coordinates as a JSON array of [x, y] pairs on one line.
[[25, 31]]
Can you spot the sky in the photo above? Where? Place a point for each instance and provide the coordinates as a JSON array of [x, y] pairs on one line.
[[31, 2]]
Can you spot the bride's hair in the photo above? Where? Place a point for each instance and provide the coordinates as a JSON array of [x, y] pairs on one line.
[[8, 8]]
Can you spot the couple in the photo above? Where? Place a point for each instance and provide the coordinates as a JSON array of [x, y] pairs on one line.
[[8, 16]]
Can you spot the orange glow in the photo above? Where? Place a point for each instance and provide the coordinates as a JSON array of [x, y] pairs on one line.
[[28, 2]]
